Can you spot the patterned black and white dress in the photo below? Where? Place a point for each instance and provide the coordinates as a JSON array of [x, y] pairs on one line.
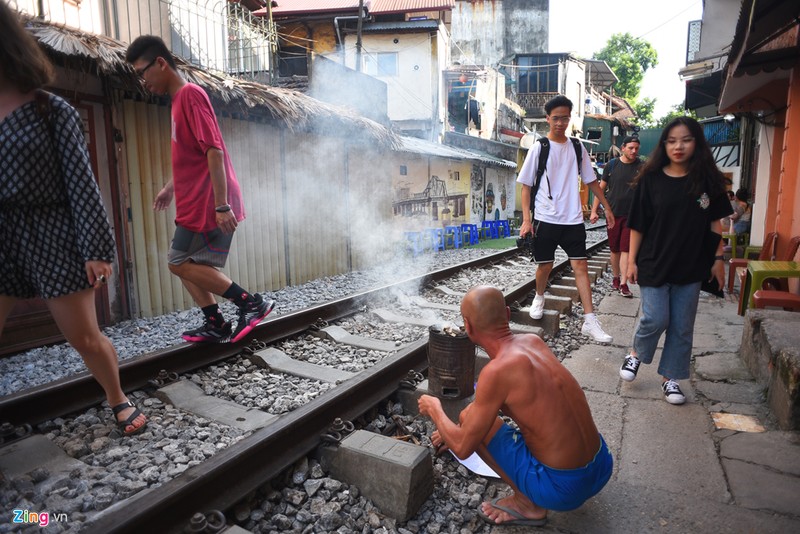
[[52, 218]]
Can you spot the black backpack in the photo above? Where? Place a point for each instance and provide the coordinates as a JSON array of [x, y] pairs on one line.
[[543, 154]]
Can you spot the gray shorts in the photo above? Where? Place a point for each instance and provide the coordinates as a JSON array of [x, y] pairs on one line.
[[206, 248]]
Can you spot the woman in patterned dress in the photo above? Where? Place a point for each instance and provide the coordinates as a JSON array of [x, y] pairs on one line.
[[55, 239]]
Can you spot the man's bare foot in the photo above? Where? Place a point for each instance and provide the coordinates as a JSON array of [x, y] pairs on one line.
[[514, 509]]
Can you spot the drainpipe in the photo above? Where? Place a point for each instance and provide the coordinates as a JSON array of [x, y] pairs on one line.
[[361, 16], [358, 34]]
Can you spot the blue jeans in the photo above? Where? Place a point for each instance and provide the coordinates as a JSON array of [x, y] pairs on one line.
[[672, 308]]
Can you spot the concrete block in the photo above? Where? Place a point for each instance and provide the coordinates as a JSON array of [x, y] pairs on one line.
[[562, 305], [395, 475], [425, 303], [277, 360], [389, 316], [771, 351], [447, 291], [565, 291], [340, 335], [571, 281], [187, 396], [24, 455], [549, 322]]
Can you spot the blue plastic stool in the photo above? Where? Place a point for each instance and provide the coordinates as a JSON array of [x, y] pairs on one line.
[[453, 234], [472, 229], [414, 243], [436, 236]]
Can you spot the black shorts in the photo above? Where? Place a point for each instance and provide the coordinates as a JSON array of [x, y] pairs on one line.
[[548, 236]]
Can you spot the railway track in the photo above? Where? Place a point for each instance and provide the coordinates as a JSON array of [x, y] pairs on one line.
[[243, 467]]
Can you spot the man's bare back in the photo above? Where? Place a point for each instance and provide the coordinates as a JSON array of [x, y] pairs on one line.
[[545, 401], [564, 460]]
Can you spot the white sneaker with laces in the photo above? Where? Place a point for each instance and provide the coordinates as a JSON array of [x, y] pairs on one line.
[[592, 328], [672, 392], [537, 308], [629, 368]]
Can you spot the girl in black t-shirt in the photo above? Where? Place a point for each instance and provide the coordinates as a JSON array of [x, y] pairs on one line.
[[679, 199]]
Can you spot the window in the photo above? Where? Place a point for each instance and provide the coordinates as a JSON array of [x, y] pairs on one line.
[[403, 170], [381, 64], [538, 74]]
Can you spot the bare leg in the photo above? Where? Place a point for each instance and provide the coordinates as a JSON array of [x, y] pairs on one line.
[[201, 298], [623, 266], [76, 317], [581, 271], [204, 281], [517, 501], [542, 274], [615, 264]]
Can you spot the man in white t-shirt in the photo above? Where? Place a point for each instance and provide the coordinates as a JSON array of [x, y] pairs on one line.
[[559, 214]]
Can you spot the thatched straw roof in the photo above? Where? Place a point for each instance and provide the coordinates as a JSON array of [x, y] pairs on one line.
[[294, 109]]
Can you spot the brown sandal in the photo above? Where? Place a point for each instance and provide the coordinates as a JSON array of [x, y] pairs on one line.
[[122, 425]]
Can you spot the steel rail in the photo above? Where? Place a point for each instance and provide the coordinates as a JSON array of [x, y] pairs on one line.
[[225, 478], [244, 467], [80, 391]]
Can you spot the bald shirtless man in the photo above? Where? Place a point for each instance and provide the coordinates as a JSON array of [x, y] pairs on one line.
[[561, 460]]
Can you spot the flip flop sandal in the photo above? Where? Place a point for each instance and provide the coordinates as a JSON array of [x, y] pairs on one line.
[[519, 519], [122, 425]]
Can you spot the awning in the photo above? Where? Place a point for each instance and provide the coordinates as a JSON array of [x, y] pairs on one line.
[[766, 45]]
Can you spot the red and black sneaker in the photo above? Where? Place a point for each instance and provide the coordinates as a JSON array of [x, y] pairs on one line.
[[208, 332], [250, 315], [615, 283], [625, 291]]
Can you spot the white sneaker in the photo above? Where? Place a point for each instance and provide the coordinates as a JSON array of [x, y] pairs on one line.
[[672, 392], [537, 308], [592, 328]]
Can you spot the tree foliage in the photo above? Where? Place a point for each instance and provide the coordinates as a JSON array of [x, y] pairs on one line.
[[629, 57], [676, 111], [644, 111]]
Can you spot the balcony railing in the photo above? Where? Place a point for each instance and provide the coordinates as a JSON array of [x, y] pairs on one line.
[[216, 35], [533, 103]]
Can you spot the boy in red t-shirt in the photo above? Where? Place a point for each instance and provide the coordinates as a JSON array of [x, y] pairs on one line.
[[208, 201]]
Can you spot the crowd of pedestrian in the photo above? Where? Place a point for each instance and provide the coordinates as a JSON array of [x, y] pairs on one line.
[[664, 219]]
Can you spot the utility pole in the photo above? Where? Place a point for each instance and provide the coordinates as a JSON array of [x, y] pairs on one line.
[[273, 46], [358, 34]]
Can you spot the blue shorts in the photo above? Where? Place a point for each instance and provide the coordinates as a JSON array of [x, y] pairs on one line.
[[554, 489]]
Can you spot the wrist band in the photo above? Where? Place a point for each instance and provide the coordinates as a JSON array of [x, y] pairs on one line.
[[223, 208], [719, 258]]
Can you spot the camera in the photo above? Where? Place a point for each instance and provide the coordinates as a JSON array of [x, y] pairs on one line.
[[526, 243]]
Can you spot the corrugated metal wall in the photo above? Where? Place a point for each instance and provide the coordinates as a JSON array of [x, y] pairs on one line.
[[304, 195]]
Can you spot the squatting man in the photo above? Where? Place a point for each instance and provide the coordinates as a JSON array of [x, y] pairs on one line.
[[556, 459]]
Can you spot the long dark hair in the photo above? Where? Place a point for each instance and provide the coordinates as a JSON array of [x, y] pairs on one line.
[[23, 64], [704, 176]]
